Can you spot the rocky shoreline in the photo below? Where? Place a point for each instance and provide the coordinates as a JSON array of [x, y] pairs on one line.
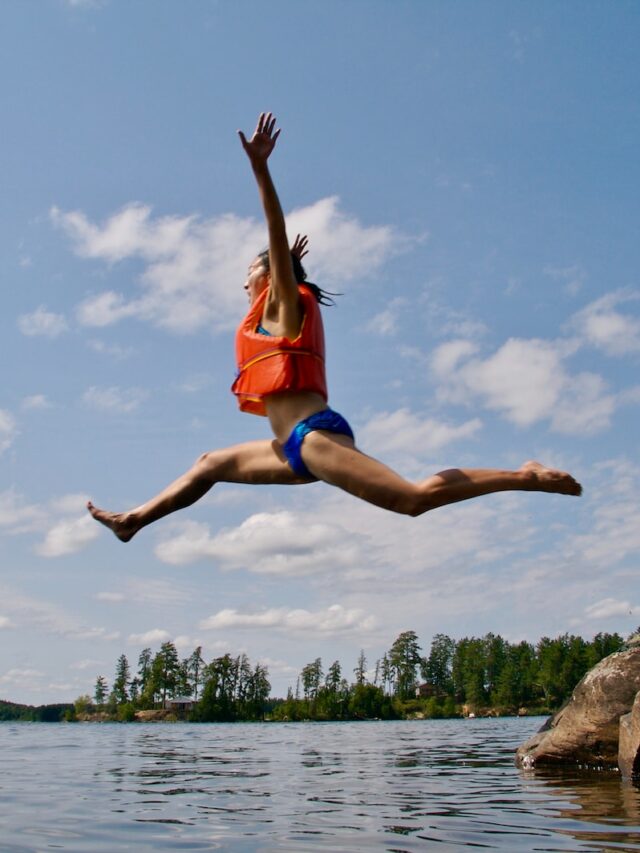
[[599, 727]]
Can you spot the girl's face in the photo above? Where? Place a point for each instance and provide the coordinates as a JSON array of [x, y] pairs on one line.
[[257, 280]]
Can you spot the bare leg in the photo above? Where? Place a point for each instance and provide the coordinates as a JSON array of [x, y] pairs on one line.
[[335, 459], [258, 462]]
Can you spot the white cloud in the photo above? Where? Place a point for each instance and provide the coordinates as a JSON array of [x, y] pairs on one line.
[[277, 666], [194, 268], [404, 431], [8, 430], [447, 357], [42, 323], [114, 350], [95, 633], [36, 401], [114, 399], [68, 536], [608, 608], [265, 543], [155, 635], [445, 321], [155, 593], [526, 381], [601, 325], [194, 384], [86, 4], [334, 619], [5, 622], [369, 555], [26, 677], [114, 597], [18, 517], [385, 323], [87, 663], [571, 277], [69, 503], [47, 617], [64, 533], [613, 532], [183, 643], [105, 309], [158, 593]]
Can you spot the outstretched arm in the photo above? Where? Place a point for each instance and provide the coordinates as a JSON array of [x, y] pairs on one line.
[[283, 301]]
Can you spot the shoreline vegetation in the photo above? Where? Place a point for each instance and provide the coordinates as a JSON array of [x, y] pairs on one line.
[[474, 676]]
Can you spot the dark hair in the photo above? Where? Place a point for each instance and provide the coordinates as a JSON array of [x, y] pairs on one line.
[[323, 297]]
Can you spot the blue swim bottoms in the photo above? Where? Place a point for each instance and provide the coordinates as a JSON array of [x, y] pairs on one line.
[[328, 420]]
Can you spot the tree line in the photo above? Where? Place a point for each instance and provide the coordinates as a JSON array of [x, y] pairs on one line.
[[456, 676], [225, 689]]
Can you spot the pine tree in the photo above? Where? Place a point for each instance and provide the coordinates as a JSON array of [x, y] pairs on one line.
[[196, 665], [360, 671], [101, 690], [121, 681], [405, 658], [438, 666], [144, 669]]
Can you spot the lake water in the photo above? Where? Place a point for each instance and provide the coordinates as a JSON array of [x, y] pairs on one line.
[[396, 786]]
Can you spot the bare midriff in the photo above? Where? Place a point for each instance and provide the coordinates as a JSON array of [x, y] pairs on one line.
[[287, 409]]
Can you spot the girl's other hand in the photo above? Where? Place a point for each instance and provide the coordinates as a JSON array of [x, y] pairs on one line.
[[299, 248]]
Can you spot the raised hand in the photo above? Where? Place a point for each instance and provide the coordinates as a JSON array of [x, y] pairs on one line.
[[299, 248], [263, 141]]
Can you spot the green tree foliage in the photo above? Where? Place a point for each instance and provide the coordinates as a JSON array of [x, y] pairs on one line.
[[37, 713], [477, 671], [126, 712], [602, 646], [386, 675], [101, 691], [183, 686], [437, 670], [233, 690], [144, 669], [360, 671], [405, 660], [82, 705], [468, 670], [121, 681], [311, 677], [367, 701], [196, 665], [134, 689], [162, 679]]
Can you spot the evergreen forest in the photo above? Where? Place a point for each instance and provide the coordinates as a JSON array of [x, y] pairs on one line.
[[479, 675], [475, 675]]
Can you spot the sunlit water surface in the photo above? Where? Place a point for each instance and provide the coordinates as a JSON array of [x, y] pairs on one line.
[[397, 786]]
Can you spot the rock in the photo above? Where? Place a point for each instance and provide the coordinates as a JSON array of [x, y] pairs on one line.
[[629, 746], [159, 715], [586, 730]]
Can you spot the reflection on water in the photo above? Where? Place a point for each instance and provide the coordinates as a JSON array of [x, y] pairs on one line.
[[397, 786]]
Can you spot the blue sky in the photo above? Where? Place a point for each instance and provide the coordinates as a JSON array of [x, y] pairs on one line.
[[468, 177]]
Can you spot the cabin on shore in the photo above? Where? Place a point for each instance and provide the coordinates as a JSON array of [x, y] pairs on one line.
[[180, 704]]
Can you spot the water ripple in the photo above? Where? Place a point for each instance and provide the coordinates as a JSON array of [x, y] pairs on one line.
[[394, 786]]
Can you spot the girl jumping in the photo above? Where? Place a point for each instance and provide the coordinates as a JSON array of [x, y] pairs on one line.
[[281, 374]]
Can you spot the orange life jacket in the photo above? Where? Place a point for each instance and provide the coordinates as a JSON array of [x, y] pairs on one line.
[[270, 364]]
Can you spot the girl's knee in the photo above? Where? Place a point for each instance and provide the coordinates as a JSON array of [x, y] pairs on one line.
[[209, 464], [416, 508], [417, 504], [412, 504]]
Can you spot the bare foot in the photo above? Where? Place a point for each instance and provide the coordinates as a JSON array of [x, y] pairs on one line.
[[543, 479], [120, 523]]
